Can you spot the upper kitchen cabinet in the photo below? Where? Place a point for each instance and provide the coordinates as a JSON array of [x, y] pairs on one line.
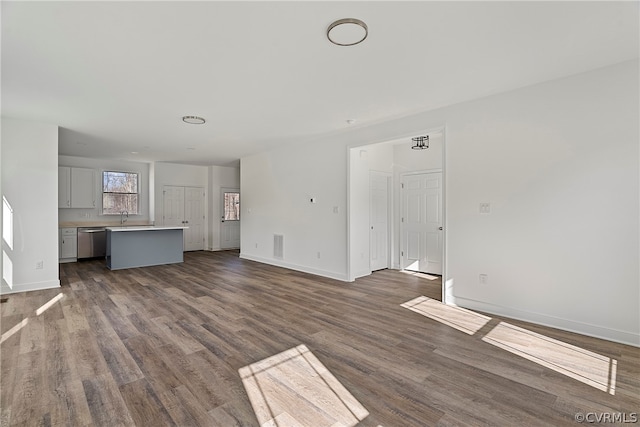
[[64, 187], [76, 187]]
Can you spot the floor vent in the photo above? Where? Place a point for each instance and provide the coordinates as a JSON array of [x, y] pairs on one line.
[[278, 246]]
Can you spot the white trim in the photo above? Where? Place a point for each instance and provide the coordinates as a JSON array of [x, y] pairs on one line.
[[443, 165], [25, 287], [569, 325], [324, 273], [350, 275]]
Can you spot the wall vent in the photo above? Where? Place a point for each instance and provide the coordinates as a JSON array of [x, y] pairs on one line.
[[278, 246]]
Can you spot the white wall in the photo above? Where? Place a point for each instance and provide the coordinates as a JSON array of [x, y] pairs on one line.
[[30, 185], [558, 162], [220, 177], [276, 188], [101, 165], [358, 220]]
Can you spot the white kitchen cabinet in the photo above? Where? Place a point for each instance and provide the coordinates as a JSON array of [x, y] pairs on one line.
[[64, 187], [68, 246], [76, 188], [83, 188]]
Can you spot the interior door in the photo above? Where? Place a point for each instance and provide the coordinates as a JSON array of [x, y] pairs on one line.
[[421, 223], [230, 219], [173, 206], [379, 221], [194, 218], [184, 207]]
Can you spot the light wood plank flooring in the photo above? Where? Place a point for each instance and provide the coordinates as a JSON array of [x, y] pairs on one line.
[[170, 345]]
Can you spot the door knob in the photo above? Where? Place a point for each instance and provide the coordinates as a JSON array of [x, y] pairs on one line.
[[439, 228]]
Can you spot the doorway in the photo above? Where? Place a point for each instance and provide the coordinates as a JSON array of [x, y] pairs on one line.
[[398, 158], [230, 218], [184, 207]]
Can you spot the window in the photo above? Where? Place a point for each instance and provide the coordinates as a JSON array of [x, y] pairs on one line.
[[119, 193], [231, 206]]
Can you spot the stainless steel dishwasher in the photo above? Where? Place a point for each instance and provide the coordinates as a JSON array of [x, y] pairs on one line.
[[92, 242]]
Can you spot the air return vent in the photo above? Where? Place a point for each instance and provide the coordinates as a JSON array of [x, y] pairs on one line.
[[278, 246]]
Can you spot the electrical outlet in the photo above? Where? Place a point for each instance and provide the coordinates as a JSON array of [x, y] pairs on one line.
[[483, 279], [485, 208], [318, 255], [39, 265]]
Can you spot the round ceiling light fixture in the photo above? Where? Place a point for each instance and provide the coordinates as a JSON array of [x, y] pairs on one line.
[[193, 120], [347, 32]]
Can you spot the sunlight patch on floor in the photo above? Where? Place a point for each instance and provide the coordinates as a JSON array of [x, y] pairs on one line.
[[48, 304], [13, 330], [583, 365], [461, 319], [578, 363], [293, 388], [44, 307]]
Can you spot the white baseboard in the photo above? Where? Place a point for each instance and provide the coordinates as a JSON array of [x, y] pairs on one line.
[[25, 287], [615, 335], [304, 269]]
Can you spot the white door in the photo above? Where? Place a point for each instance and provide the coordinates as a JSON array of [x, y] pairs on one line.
[[230, 218], [194, 219], [421, 222], [173, 206], [379, 221], [184, 207]]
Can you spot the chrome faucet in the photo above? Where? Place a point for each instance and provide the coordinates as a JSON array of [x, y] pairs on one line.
[[122, 218]]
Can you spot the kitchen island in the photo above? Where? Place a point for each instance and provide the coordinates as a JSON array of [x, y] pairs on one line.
[[143, 246]]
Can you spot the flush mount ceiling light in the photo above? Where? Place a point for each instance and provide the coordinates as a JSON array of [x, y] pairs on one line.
[[347, 32], [422, 142], [193, 120]]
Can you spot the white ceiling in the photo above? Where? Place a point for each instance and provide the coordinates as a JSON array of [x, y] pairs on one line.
[[118, 76]]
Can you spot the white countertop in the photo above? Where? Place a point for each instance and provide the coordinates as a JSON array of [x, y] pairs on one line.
[[144, 228]]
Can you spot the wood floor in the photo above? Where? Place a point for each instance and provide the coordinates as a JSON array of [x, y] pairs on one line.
[[194, 344]]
